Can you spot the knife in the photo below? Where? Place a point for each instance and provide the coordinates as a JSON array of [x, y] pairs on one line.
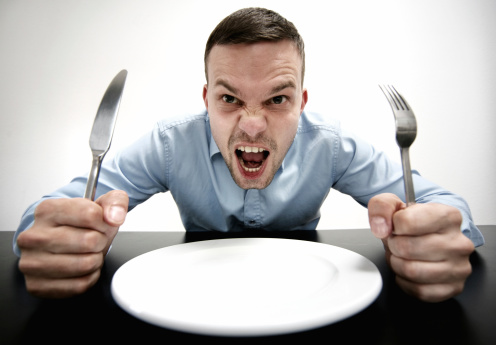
[[103, 129]]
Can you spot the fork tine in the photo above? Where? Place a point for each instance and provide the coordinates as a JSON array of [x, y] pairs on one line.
[[401, 101], [389, 97]]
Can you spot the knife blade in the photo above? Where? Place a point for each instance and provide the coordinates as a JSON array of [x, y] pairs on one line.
[[103, 129]]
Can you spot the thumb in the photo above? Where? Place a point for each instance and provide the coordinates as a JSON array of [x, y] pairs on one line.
[[381, 209], [115, 206]]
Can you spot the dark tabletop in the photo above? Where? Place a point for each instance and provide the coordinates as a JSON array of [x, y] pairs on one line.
[[394, 318]]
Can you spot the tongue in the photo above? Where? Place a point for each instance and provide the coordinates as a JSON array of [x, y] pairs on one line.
[[252, 157]]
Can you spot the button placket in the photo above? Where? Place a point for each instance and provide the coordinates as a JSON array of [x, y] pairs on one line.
[[252, 209]]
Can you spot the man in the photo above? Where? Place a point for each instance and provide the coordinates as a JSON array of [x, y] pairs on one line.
[[253, 160]]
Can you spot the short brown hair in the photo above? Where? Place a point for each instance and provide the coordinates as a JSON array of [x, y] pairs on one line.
[[251, 25]]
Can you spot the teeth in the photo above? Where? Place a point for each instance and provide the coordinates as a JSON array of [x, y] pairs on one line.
[[248, 169], [251, 149]]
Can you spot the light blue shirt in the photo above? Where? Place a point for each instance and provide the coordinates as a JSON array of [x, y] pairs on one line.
[[182, 157]]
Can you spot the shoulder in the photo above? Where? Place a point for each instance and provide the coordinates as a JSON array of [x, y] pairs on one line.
[[322, 132], [315, 122], [187, 122], [317, 128], [185, 135]]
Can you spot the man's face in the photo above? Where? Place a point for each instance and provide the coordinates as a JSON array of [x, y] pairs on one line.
[[254, 99]]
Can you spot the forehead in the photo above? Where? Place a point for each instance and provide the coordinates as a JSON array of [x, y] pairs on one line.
[[261, 60]]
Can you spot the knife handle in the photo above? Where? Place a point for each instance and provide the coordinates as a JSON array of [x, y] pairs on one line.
[[93, 177]]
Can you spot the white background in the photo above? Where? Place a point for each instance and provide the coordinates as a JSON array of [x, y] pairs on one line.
[[57, 58]]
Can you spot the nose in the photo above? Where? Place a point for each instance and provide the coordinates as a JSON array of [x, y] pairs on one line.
[[252, 123]]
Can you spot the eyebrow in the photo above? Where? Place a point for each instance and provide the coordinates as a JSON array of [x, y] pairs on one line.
[[275, 90], [279, 88], [230, 88]]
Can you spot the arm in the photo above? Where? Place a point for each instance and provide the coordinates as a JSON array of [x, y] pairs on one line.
[[63, 239], [428, 244], [139, 170], [364, 173]]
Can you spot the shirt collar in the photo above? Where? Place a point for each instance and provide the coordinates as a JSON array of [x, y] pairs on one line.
[[214, 149]]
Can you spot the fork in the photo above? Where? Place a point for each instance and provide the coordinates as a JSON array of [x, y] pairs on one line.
[[406, 131]]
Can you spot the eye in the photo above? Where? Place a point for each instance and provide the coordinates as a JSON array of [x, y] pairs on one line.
[[278, 100], [230, 99]]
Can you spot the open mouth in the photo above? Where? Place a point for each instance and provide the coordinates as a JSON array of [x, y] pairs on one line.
[[251, 159]]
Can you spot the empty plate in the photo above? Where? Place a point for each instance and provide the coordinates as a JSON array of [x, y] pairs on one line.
[[246, 286]]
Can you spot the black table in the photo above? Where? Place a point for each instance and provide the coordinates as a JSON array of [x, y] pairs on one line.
[[394, 318]]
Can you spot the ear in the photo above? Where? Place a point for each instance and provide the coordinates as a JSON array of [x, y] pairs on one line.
[[304, 100], [205, 98]]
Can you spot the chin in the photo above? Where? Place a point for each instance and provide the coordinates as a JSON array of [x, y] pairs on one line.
[[245, 183]]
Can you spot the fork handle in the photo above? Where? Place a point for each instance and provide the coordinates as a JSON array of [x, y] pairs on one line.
[[407, 176]]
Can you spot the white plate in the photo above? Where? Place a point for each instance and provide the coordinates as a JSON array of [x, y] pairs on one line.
[[247, 286]]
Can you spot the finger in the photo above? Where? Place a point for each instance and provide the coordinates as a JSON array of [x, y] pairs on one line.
[[78, 212], [430, 272], [420, 219], [115, 206], [62, 240], [381, 209], [61, 288], [430, 247], [430, 292], [58, 266]]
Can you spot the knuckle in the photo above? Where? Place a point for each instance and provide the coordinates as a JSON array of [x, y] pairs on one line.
[[438, 293], [453, 216], [467, 246], [402, 247], [82, 284], [32, 238], [427, 293], [457, 288], [24, 240], [91, 241], [34, 287], [91, 216], [461, 244], [27, 266], [87, 264], [114, 197], [465, 270], [54, 289], [410, 270], [424, 293], [403, 219], [421, 292], [382, 201], [45, 209]]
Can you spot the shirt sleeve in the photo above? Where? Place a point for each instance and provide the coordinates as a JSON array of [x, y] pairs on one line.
[[363, 172]]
